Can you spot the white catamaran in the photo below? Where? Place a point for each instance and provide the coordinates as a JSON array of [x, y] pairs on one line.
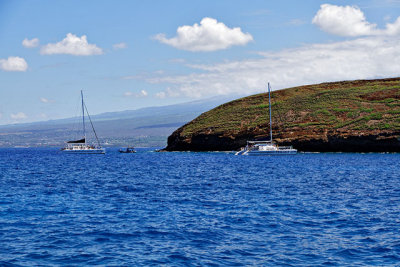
[[81, 146], [261, 148]]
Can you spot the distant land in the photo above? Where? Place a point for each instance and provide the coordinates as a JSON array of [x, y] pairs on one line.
[[146, 127], [346, 116]]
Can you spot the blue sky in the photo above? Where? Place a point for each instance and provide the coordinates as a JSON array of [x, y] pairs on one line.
[[133, 54]]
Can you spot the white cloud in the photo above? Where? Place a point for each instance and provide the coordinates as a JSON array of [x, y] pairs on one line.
[[72, 45], [343, 20], [18, 116], [168, 93], [142, 93], [210, 35], [363, 58], [350, 21], [30, 43], [44, 100], [13, 64], [387, 18], [393, 28], [120, 46], [161, 95]]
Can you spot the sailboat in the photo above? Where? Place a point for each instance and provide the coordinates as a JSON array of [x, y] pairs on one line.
[[261, 148], [81, 146]]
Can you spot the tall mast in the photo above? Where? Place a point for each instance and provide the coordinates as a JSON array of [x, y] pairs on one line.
[[91, 123], [270, 117], [83, 117]]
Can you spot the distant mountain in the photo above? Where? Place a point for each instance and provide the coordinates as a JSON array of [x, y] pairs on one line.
[[142, 127]]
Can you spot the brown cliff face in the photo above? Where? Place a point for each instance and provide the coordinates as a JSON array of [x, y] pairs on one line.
[[350, 116]]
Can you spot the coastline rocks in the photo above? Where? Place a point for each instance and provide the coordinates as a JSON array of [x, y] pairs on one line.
[[388, 141]]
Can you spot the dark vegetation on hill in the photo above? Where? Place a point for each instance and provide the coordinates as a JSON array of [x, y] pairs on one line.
[[352, 116]]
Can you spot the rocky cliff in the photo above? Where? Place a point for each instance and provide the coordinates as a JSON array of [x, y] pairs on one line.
[[348, 116]]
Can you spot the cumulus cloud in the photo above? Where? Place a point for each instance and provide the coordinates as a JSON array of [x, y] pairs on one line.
[[72, 45], [210, 35], [393, 28], [30, 43], [18, 116], [350, 21], [142, 93], [120, 46], [13, 64], [343, 20], [362, 58]]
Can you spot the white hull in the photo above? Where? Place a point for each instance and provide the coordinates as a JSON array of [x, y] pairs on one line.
[[271, 153], [84, 151], [265, 148]]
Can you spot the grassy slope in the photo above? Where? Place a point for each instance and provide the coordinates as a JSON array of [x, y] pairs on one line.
[[364, 105]]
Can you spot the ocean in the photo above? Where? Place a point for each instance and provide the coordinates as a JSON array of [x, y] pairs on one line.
[[194, 209]]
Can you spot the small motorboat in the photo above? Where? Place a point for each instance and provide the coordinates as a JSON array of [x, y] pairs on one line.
[[127, 150]]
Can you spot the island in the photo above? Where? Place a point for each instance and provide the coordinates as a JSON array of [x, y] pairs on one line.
[[345, 116]]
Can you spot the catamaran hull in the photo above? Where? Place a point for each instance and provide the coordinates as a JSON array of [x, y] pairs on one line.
[[87, 151], [269, 153]]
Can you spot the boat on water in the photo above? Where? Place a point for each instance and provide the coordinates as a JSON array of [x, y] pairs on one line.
[[81, 146], [127, 150], [266, 148]]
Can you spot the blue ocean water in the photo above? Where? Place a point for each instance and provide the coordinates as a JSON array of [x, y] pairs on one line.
[[190, 209]]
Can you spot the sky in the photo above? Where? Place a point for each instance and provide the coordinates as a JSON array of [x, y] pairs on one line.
[[127, 55]]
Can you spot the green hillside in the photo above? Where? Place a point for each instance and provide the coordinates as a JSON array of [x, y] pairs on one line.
[[311, 112]]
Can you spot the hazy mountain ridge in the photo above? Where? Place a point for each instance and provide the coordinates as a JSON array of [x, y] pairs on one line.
[[143, 127]]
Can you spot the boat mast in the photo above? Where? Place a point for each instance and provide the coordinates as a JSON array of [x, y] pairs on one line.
[[91, 123], [270, 117], [83, 117]]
